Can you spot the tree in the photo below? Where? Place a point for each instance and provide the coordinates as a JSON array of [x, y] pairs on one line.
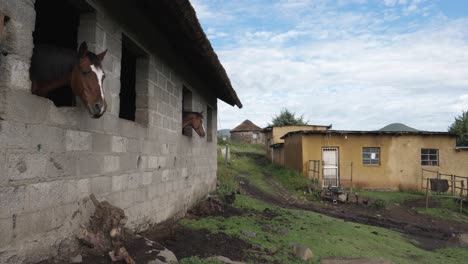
[[460, 128], [287, 118]]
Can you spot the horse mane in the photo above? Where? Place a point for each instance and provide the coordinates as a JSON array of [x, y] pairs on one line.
[[51, 63]]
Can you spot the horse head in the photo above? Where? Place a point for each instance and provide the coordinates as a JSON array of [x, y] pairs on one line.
[[87, 80], [195, 120]]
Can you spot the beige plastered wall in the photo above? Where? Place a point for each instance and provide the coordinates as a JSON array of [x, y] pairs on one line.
[[400, 157]]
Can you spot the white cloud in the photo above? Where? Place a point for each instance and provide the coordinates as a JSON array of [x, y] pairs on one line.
[[348, 68]]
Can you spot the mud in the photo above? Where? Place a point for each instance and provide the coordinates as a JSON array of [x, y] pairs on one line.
[[186, 242], [429, 233]]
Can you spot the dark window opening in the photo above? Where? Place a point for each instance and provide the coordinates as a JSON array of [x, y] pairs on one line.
[[430, 157], [371, 156], [187, 107], [58, 30], [130, 55], [209, 124]]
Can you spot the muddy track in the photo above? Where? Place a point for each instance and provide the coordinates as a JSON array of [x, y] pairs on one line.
[[429, 236]]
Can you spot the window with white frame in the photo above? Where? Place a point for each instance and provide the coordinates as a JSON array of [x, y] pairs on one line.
[[371, 156], [430, 157]]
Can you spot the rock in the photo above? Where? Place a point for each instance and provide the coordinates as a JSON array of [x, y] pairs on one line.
[[256, 247], [343, 197], [463, 240], [225, 260], [302, 252], [165, 256], [76, 259], [353, 198], [267, 228], [283, 231], [249, 233], [272, 250], [354, 261]]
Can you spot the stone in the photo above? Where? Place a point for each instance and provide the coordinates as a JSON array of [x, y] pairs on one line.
[[463, 240], [76, 259], [302, 252], [353, 198], [249, 233], [343, 197], [283, 231], [165, 256], [267, 228]]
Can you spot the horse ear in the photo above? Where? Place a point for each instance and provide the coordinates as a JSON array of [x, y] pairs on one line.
[[201, 113], [102, 55], [83, 50]]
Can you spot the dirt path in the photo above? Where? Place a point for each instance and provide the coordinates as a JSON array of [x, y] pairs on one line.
[[429, 232]]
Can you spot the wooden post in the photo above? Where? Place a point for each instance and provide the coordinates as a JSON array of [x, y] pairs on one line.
[[351, 176], [453, 184], [2, 19], [226, 154], [427, 193], [461, 196]]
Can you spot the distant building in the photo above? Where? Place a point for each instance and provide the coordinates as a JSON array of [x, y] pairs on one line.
[[274, 144], [247, 132], [382, 159]]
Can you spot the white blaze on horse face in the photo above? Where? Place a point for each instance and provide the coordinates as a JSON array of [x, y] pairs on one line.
[[100, 74]]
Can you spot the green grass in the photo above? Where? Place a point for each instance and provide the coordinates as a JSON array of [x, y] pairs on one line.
[[390, 198], [325, 236], [197, 260], [446, 209]]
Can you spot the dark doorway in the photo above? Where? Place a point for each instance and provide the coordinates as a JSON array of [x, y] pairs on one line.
[[57, 23], [128, 79]]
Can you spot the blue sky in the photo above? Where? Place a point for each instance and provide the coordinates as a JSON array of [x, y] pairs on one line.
[[356, 64]]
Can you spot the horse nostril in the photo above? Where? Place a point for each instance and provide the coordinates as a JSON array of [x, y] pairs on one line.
[[98, 106]]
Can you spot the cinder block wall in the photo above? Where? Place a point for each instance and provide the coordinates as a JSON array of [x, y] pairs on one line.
[[52, 159]]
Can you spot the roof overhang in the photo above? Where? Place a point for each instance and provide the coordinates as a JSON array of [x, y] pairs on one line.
[[177, 21], [374, 133]]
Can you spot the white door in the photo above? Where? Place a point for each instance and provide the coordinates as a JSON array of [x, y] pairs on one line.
[[330, 167]]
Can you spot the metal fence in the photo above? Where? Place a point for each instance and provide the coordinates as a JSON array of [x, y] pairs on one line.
[[438, 184], [339, 177]]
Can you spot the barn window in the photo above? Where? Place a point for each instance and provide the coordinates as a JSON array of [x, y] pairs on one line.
[[370, 156], [209, 124], [132, 61], [58, 30], [430, 157], [187, 107]]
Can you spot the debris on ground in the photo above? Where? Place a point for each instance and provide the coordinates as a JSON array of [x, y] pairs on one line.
[[213, 205], [105, 232]]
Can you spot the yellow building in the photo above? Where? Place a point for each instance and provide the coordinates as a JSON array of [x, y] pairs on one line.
[[274, 142], [374, 159]]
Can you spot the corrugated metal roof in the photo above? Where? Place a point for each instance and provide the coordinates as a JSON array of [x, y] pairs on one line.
[[375, 132]]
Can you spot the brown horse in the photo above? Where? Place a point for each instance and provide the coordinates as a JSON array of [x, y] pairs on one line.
[[195, 120], [52, 68]]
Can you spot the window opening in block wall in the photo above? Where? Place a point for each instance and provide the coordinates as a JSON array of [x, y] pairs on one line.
[[209, 124], [131, 54], [186, 107], [56, 37]]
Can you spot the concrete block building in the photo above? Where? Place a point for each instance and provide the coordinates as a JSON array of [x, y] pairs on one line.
[[159, 63]]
